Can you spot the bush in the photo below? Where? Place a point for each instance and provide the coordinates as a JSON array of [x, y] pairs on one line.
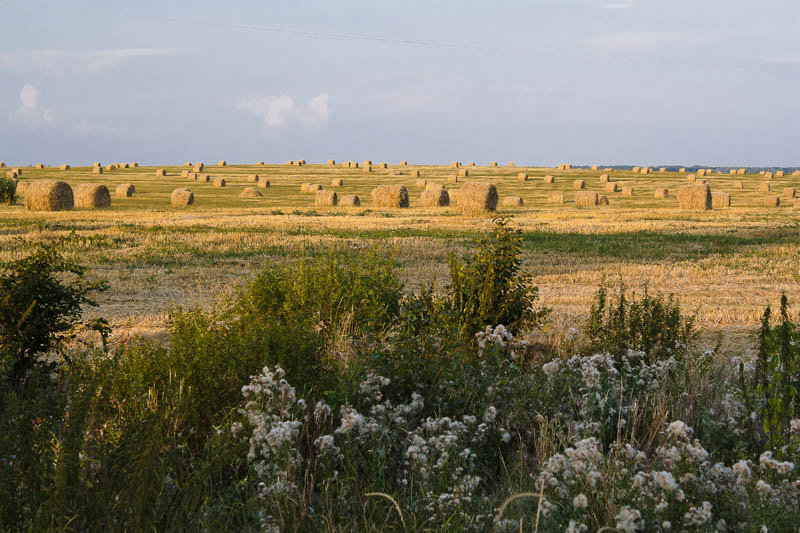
[[653, 324], [8, 191]]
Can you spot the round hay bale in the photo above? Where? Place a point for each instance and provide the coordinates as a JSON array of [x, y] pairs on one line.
[[204, 178], [471, 164], [109, 168], [91, 196], [636, 170], [390, 196], [18, 170], [796, 203], [695, 197], [331, 162], [302, 162], [645, 170], [49, 195], [350, 200], [743, 171], [96, 164], [367, 168], [768, 175], [602, 200], [290, 162], [493, 164], [662, 169], [337, 182], [219, 182], [476, 198], [452, 179], [326, 198], [160, 173], [567, 166], [682, 169], [455, 164], [512, 201], [762, 172], [39, 166], [510, 164], [198, 167], [124, 190], [549, 179], [463, 173], [594, 167], [421, 184], [522, 176], [2, 164], [691, 178], [604, 178], [97, 170], [12, 175], [259, 163], [661, 193], [310, 187], [611, 186], [789, 192], [253, 178], [627, 190], [125, 165], [720, 199], [184, 173], [415, 173], [701, 172], [383, 165], [608, 169], [403, 163], [771, 201], [264, 183], [796, 173], [586, 198], [739, 184], [368, 162], [222, 163], [22, 186], [250, 192], [435, 197], [764, 187], [578, 184], [555, 197], [192, 176], [779, 174], [561, 166], [65, 167], [187, 164], [181, 197]]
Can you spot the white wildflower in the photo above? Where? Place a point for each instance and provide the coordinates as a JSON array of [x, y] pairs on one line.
[[580, 501]]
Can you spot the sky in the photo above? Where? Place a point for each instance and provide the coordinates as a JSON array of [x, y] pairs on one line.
[[538, 82]]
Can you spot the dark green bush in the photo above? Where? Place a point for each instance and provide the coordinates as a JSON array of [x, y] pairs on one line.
[[652, 324], [8, 191]]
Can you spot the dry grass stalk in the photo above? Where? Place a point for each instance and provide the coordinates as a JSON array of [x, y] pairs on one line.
[[337, 182], [250, 192], [696, 197], [124, 190], [49, 195], [661, 193], [219, 182], [91, 196], [435, 197], [720, 199], [181, 197], [476, 198], [390, 196], [578, 184], [512, 201], [555, 197], [350, 200]]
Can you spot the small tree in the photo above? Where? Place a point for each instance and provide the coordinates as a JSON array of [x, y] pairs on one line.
[[8, 191], [41, 297]]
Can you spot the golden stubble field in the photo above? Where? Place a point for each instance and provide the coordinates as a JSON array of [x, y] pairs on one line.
[[726, 263]]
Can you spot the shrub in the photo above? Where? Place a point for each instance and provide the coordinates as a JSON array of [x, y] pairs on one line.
[[653, 324], [8, 191]]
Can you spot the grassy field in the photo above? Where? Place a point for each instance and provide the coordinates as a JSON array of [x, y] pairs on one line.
[[727, 263]]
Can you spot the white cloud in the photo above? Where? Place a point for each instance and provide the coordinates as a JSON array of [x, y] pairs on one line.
[[61, 62], [277, 111], [623, 4], [28, 97]]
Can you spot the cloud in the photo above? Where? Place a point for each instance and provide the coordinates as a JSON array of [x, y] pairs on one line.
[[29, 111], [623, 4], [277, 111], [61, 62]]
